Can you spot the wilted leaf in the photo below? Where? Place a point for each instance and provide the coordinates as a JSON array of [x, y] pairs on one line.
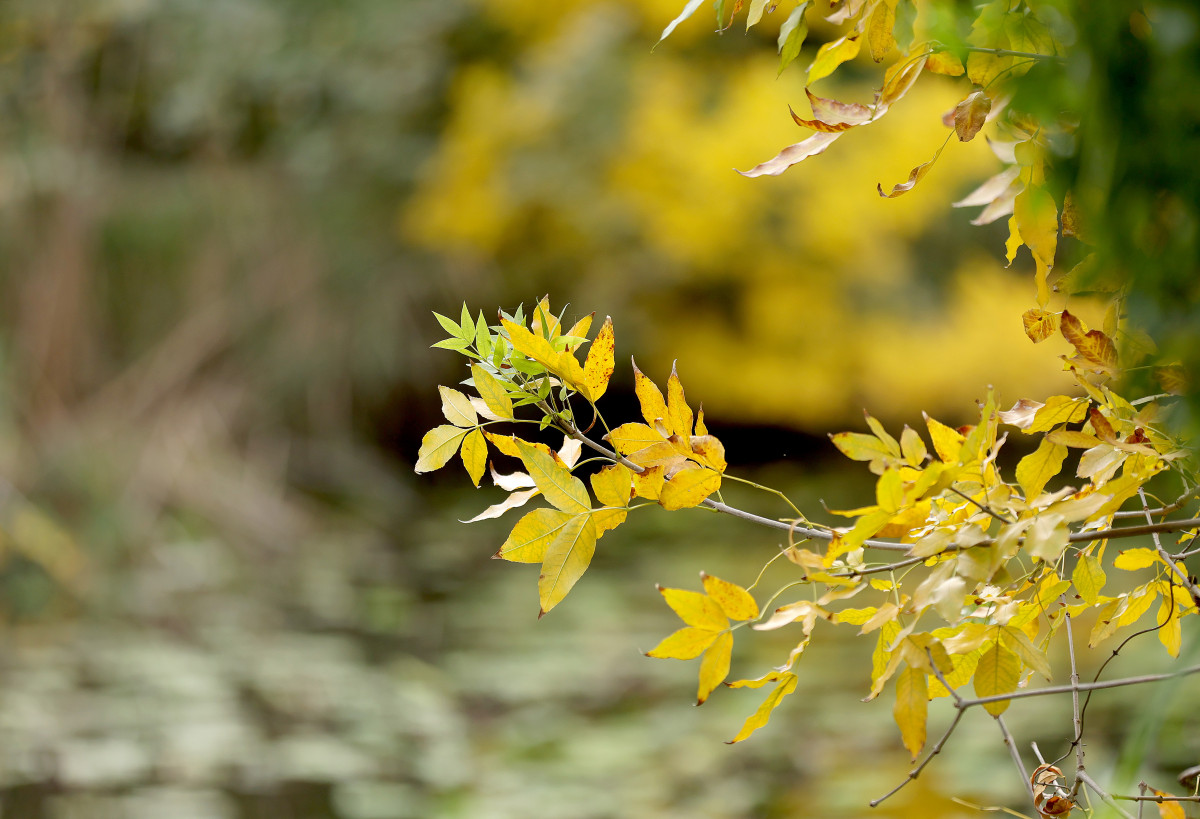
[[915, 175], [649, 482], [1039, 324], [438, 446], [735, 601], [879, 29], [789, 156], [567, 558], [687, 12], [971, 114], [714, 666], [1095, 348], [997, 673], [912, 708], [598, 368], [786, 684], [514, 501], [688, 488]]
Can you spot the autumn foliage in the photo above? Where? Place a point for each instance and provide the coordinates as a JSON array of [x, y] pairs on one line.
[[960, 572]]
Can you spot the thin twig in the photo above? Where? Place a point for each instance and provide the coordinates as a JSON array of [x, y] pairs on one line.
[[1016, 755], [1159, 799], [1077, 716], [982, 506], [1166, 558], [1162, 510], [1103, 794], [1005, 52], [1064, 689]]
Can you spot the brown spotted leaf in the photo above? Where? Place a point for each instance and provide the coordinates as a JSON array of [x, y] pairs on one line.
[[970, 115]]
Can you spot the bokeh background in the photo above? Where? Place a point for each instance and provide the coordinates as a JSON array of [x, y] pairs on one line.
[[223, 228]]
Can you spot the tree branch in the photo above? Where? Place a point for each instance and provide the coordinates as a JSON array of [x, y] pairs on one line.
[[1016, 755], [1103, 794], [1065, 689], [1166, 558]]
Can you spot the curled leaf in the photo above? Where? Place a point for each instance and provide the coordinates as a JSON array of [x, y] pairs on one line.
[[970, 115]]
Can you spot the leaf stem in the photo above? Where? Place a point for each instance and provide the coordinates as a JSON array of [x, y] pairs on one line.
[[1007, 52]]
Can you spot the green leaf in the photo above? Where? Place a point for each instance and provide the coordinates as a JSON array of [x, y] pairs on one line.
[[456, 344], [792, 34], [450, 326], [567, 558], [438, 446]]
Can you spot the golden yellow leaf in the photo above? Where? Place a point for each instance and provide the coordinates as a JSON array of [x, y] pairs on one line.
[[1169, 633], [714, 665], [598, 368], [1058, 409], [561, 488], [702, 430], [654, 407], [943, 62], [889, 491], [786, 684], [1020, 644], [897, 81], [879, 30], [679, 414], [1039, 324], [1133, 559], [567, 558], [1072, 438], [1095, 348], [882, 654], [689, 488], [708, 451], [633, 437], [581, 327], [947, 441], [438, 446], [686, 644], [562, 364], [474, 455], [457, 408], [1088, 578], [533, 534], [612, 485], [912, 708], [831, 55], [695, 609], [492, 392], [735, 601], [608, 519], [649, 482], [997, 673], [858, 446], [912, 447]]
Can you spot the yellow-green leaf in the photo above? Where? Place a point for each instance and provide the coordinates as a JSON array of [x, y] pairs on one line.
[[1039, 466], [714, 666], [561, 488], [947, 441], [492, 392], [598, 368], [879, 30], [858, 446], [695, 609], [943, 62], [912, 708], [1037, 220], [831, 55], [457, 408], [438, 446], [679, 414], [1058, 409], [686, 644], [688, 488], [1133, 559], [785, 686], [533, 534], [474, 454], [912, 447], [997, 673], [612, 485], [1017, 640], [567, 558], [735, 601], [1088, 578]]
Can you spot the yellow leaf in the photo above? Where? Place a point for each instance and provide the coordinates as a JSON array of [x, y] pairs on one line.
[[1058, 409], [858, 446], [912, 447], [883, 652], [650, 397], [1072, 438], [1094, 347], [633, 437], [889, 491], [831, 55], [785, 686], [533, 534], [943, 62], [1088, 578], [1037, 220], [714, 666], [997, 673], [612, 485], [561, 364], [914, 176], [1169, 633], [702, 431], [1017, 640], [581, 327], [879, 30], [649, 482], [709, 451], [689, 488], [735, 601], [685, 644], [911, 709], [1039, 466], [608, 519], [598, 368], [457, 408], [791, 155], [947, 441], [561, 488], [474, 454], [492, 392], [1168, 810], [1039, 324], [679, 414], [1133, 559], [438, 446], [567, 558], [695, 609]]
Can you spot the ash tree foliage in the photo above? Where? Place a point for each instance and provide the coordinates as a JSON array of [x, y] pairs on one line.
[[962, 574]]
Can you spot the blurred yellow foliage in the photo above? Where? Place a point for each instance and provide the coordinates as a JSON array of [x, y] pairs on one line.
[[797, 299]]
